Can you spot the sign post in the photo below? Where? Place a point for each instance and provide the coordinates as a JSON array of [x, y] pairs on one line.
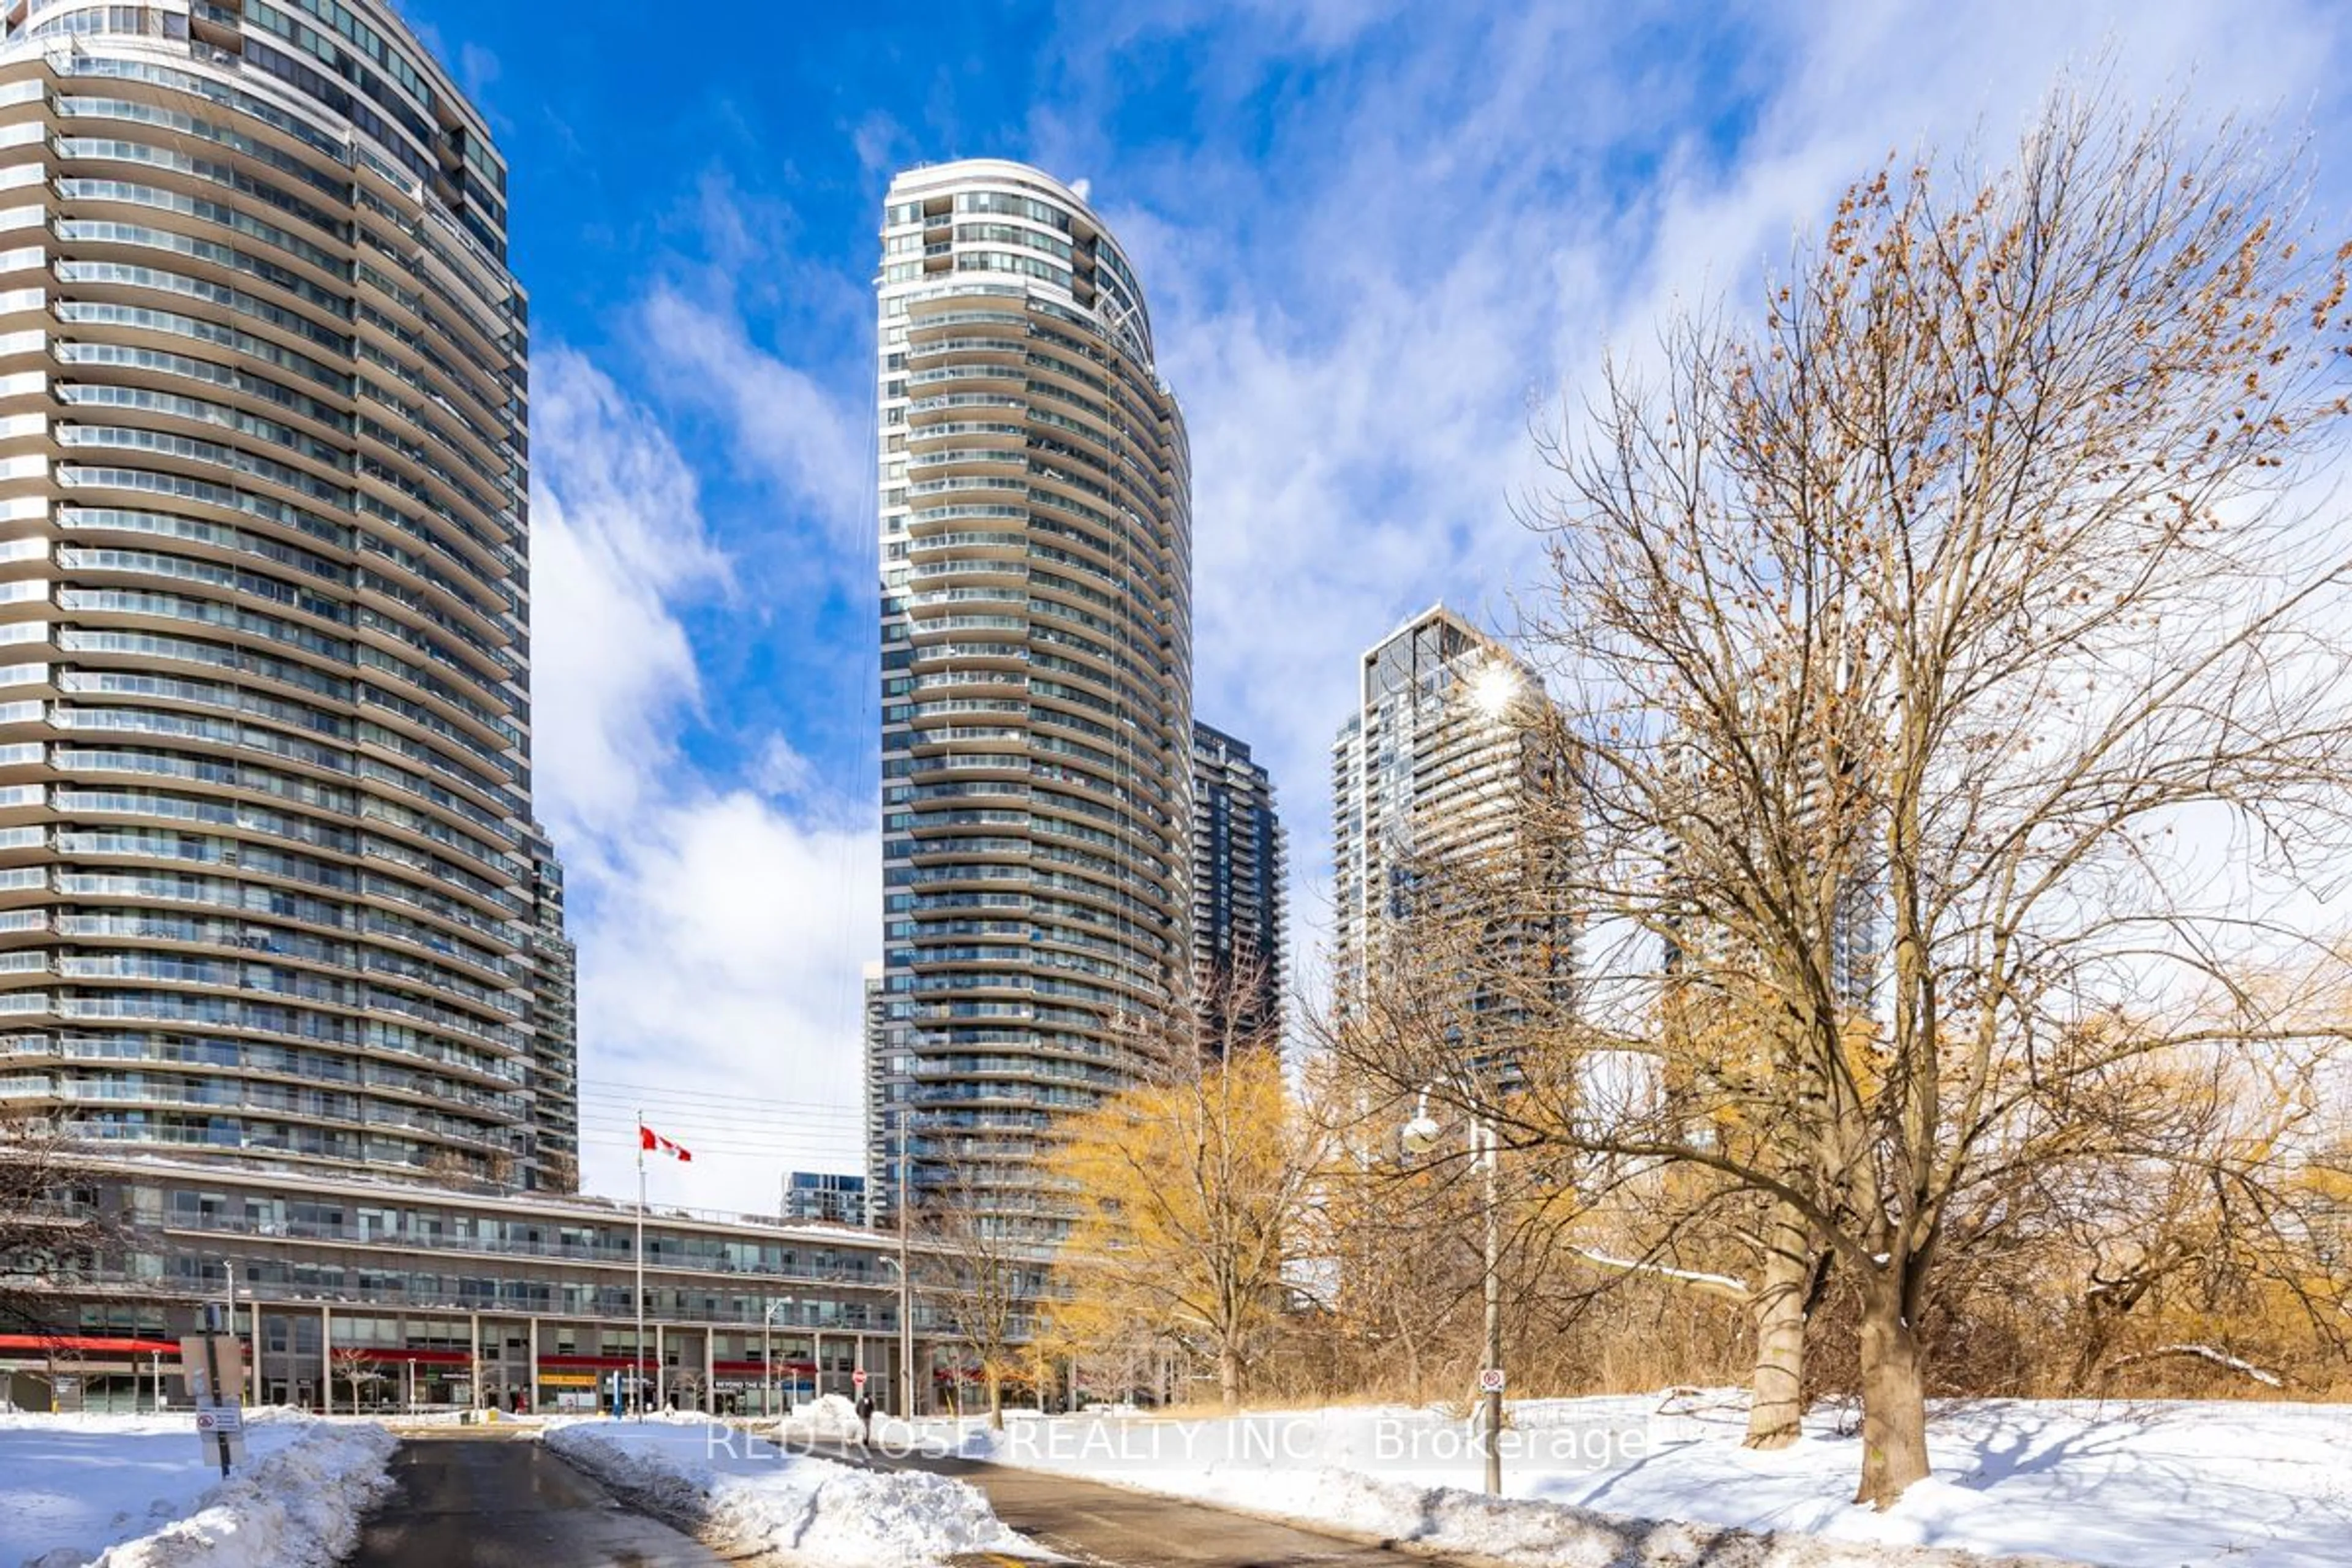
[[213, 1364]]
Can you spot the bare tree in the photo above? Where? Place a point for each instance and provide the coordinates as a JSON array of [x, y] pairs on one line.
[[1949, 674], [51, 1233], [985, 1274], [357, 1367]]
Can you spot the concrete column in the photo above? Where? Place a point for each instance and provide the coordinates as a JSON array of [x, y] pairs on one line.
[[530, 1348], [474, 1342], [661, 1372], [710, 1373], [816, 1354], [327, 1360]]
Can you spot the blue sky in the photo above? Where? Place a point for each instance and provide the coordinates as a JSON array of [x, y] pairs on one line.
[[1380, 243]]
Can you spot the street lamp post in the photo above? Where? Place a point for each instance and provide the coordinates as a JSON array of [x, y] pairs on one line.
[[1418, 1136], [906, 1303], [768, 1356], [906, 1297], [906, 1341]]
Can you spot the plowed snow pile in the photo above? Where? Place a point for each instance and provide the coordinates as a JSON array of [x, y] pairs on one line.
[[746, 1492], [137, 1492]]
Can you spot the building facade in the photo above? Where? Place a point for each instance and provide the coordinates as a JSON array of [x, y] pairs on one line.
[[888, 1081], [413, 1296], [1036, 678], [825, 1197], [1240, 874], [1431, 781], [269, 886], [553, 1133]]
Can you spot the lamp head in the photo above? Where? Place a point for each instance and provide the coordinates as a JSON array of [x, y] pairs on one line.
[[1420, 1135]]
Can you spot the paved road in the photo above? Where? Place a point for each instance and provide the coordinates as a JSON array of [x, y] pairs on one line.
[[1121, 1529], [474, 1501], [1112, 1527], [479, 1500]]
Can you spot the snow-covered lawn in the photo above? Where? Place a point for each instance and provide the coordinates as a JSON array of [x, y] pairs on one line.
[[2168, 1485], [748, 1493], [134, 1491]]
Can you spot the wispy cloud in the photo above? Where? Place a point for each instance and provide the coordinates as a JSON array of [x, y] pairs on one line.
[[781, 424], [720, 927], [617, 543]]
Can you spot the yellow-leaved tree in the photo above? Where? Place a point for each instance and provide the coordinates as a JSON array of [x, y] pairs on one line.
[[1193, 1196]]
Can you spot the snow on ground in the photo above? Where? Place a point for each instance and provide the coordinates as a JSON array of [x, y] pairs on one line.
[[826, 1418], [751, 1493], [135, 1492], [2158, 1485]]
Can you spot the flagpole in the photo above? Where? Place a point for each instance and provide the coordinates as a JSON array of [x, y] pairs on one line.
[[638, 1359]]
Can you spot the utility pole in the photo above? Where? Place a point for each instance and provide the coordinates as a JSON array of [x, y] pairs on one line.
[[1486, 1134], [637, 1355], [906, 1293], [1418, 1136], [213, 1372]]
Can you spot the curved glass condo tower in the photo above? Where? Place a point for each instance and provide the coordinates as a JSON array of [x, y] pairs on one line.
[[1036, 684], [268, 883]]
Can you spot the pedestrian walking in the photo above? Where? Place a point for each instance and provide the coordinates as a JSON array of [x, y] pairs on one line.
[[865, 1419]]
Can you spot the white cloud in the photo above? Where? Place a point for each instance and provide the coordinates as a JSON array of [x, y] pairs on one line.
[[881, 143], [726, 965], [720, 932], [616, 540], [785, 426]]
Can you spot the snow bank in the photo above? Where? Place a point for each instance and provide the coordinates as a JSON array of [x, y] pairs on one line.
[[1448, 1519], [136, 1492], [828, 1418], [751, 1493], [2203, 1485]]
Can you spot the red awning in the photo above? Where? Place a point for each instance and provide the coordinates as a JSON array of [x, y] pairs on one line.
[[87, 1346]]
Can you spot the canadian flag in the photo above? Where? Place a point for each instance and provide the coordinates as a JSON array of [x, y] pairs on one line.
[[649, 1138]]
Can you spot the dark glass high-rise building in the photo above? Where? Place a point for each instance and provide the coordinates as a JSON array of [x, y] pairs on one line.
[[1239, 870], [1037, 681], [553, 1149], [1431, 778], [269, 884]]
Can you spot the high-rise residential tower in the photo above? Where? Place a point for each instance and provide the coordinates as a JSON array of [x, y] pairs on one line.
[[553, 1134], [269, 887], [1239, 871], [1036, 678], [1430, 782]]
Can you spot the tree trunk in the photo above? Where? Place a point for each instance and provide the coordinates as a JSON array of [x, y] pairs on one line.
[[2098, 1332], [995, 1399], [1782, 1303], [1229, 1377], [1894, 1398]]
